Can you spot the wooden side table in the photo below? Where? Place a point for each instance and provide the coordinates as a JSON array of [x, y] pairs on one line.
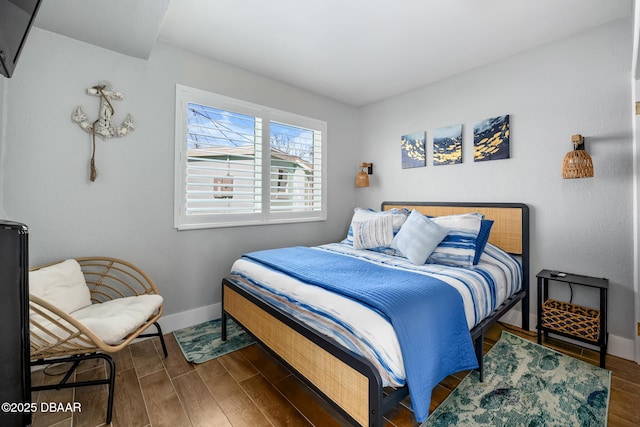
[[569, 320]]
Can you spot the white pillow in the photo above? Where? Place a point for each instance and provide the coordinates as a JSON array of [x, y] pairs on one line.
[[62, 285], [418, 238], [373, 233]]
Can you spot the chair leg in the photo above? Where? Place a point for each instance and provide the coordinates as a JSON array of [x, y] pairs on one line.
[[76, 359], [164, 346], [70, 371], [112, 385], [159, 335]]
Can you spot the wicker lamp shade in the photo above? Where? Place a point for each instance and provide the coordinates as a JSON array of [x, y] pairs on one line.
[[362, 177], [577, 163]]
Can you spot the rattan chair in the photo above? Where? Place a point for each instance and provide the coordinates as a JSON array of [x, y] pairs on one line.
[[116, 288]]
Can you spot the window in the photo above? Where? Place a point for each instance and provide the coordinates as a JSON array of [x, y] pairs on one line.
[[239, 163]]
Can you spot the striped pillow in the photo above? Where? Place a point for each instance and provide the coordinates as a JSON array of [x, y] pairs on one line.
[[459, 247], [373, 233], [361, 214]]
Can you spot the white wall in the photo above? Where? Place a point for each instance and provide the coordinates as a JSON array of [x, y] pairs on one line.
[[128, 211], [636, 203], [581, 85]]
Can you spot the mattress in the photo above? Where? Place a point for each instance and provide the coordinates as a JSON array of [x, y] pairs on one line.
[[363, 330]]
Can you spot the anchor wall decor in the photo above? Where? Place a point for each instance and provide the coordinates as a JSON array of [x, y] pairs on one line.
[[103, 125]]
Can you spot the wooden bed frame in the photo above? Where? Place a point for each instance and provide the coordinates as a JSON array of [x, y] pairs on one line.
[[347, 380]]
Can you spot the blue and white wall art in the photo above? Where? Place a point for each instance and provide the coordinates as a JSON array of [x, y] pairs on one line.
[[447, 145], [413, 150], [491, 139]]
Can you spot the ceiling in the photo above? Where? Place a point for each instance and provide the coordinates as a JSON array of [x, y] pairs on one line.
[[354, 51]]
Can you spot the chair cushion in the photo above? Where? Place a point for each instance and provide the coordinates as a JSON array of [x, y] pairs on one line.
[[62, 285], [113, 320]]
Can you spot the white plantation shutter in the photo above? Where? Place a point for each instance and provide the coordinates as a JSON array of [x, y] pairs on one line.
[[224, 161], [296, 169], [243, 164]]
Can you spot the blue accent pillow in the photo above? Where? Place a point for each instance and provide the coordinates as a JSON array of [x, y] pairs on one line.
[[483, 238], [418, 238], [459, 247]]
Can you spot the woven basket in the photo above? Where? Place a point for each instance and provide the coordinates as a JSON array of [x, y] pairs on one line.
[[571, 319]]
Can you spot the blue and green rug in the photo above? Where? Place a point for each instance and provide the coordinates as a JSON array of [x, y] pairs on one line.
[[526, 384], [201, 343]]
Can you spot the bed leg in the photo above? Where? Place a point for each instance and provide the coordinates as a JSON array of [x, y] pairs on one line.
[[479, 355], [525, 313], [223, 325]]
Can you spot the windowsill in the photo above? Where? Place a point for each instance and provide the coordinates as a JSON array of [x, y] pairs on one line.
[[198, 226]]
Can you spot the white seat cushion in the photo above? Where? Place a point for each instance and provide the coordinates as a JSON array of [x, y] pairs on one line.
[[113, 320], [62, 285]]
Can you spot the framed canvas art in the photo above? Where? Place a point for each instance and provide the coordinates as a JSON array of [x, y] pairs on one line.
[[447, 145], [491, 139], [413, 150]]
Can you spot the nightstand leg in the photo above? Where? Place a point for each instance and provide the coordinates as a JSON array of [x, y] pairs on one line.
[[604, 335], [539, 326]]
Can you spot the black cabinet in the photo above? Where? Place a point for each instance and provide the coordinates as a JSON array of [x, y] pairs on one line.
[[14, 324], [585, 324]]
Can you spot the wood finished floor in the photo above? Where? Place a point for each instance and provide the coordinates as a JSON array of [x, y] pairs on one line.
[[250, 388]]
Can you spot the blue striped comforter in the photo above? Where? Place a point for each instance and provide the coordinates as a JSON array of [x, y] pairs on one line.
[[366, 330]]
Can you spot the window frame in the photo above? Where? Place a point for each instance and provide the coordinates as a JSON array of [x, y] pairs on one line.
[[184, 221]]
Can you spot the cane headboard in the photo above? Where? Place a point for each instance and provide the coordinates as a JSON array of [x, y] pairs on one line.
[[510, 230]]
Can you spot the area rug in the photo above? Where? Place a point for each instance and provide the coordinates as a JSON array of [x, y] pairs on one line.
[[526, 384], [201, 343]]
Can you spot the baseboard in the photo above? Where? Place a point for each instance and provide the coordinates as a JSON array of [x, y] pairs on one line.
[[172, 322], [617, 346]]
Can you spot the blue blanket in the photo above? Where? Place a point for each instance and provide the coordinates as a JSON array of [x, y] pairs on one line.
[[426, 313]]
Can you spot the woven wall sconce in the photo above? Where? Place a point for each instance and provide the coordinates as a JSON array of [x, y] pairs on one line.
[[577, 163], [362, 177]]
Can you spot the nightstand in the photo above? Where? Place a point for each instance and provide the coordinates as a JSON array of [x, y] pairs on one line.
[[569, 320]]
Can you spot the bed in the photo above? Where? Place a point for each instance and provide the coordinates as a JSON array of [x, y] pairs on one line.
[[344, 373]]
